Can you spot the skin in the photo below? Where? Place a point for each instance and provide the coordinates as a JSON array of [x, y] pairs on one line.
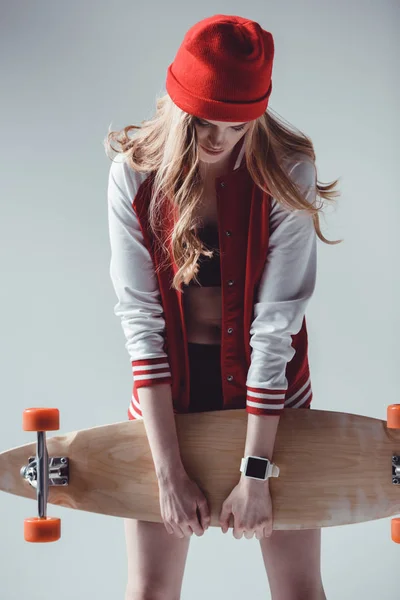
[[217, 135]]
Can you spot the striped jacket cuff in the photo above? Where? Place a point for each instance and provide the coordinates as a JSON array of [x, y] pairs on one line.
[[151, 371], [265, 401]]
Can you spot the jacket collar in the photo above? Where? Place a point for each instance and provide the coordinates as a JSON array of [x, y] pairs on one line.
[[237, 156]]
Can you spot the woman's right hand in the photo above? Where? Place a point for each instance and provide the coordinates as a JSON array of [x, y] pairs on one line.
[[180, 497]]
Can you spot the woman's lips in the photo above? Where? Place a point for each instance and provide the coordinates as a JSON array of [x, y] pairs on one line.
[[211, 151]]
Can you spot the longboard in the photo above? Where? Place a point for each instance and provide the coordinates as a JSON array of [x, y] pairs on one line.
[[335, 468]]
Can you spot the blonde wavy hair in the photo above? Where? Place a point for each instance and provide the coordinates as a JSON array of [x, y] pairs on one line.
[[166, 145]]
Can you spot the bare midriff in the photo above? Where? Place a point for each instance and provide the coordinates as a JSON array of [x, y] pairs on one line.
[[202, 306]]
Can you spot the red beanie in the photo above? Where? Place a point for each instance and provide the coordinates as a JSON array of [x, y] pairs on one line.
[[222, 70]]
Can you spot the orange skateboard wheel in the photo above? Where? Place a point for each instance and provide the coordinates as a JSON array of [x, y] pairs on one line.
[[42, 529], [41, 419], [393, 416], [396, 530]]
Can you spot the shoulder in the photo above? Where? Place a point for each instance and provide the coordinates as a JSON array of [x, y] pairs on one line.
[[122, 178], [301, 169]]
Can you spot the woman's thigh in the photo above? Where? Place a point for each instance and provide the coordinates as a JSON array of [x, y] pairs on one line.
[[292, 560], [156, 560]]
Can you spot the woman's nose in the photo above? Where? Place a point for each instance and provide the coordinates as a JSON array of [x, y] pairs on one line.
[[216, 141]]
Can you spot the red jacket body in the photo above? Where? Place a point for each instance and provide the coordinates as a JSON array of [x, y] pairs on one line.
[[266, 283]]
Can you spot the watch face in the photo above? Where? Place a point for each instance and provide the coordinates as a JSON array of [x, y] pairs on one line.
[[256, 468]]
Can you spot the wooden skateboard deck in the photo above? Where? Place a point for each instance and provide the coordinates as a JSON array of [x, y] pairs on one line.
[[335, 468]]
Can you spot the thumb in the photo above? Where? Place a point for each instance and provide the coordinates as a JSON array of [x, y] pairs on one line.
[[224, 516], [204, 511]]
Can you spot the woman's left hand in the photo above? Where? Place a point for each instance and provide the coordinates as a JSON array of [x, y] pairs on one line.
[[250, 504]]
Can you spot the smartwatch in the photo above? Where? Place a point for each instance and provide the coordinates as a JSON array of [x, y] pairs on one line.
[[257, 467]]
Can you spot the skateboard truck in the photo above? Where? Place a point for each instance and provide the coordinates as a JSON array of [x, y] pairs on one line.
[[396, 469], [57, 471], [42, 472]]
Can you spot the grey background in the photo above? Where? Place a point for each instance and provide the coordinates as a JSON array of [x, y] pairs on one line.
[[67, 72]]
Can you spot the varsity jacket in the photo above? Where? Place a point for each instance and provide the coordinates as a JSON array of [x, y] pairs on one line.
[[268, 271]]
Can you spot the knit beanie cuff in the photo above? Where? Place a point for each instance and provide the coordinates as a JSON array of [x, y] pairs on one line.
[[207, 108]]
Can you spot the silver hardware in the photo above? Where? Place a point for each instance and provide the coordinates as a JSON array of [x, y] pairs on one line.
[[42, 471], [58, 471], [396, 469]]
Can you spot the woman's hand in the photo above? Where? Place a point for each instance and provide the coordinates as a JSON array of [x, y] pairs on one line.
[[250, 504], [184, 507]]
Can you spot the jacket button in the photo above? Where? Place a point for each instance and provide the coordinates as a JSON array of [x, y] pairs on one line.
[[222, 183], [231, 282], [230, 377], [228, 233], [230, 330]]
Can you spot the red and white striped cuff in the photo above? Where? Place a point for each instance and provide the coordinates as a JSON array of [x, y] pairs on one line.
[[264, 401], [150, 371]]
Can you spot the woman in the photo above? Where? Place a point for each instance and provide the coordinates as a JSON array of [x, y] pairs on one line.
[[213, 226]]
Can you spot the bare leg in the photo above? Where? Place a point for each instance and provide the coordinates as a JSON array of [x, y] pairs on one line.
[[156, 561], [292, 559]]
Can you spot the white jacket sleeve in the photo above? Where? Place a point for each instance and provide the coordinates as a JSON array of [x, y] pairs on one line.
[[134, 280], [286, 286]]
